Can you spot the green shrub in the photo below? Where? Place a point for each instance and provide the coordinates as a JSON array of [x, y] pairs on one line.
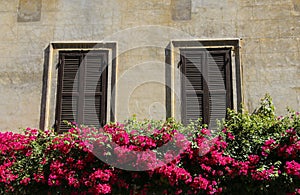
[[267, 137]]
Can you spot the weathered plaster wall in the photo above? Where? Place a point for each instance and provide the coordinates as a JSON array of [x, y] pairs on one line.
[[269, 30]]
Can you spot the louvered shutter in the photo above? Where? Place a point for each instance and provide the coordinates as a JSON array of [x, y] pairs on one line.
[[95, 89], [68, 90], [81, 89], [219, 85], [192, 85], [205, 85]]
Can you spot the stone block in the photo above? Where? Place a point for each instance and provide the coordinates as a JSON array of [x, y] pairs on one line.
[[284, 45], [270, 2], [99, 32], [245, 13], [148, 101], [258, 28], [58, 33], [74, 5], [210, 3], [278, 59], [296, 8], [7, 18], [242, 3], [250, 29], [49, 18], [296, 5], [214, 28], [35, 34], [181, 9], [250, 66], [8, 33], [141, 87], [74, 33], [155, 4], [27, 105], [250, 45], [229, 12], [8, 6], [221, 10], [29, 10], [287, 28], [270, 28], [8, 50], [296, 28], [212, 13], [49, 5], [272, 11], [229, 29]]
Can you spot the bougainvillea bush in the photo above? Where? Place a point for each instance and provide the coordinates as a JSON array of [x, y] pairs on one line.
[[255, 153]]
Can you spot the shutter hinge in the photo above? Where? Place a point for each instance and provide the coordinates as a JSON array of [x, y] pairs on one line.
[[59, 63], [180, 62]]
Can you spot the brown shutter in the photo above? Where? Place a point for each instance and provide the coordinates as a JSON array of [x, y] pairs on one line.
[[68, 90], [192, 85], [219, 84], [206, 85], [81, 89], [95, 88]]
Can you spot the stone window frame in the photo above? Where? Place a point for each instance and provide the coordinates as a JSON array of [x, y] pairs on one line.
[[173, 79], [50, 77]]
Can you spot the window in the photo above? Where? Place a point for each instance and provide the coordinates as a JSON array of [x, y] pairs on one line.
[[206, 84], [81, 88]]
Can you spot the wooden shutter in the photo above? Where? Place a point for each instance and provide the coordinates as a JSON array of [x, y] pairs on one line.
[[206, 84], [192, 85], [81, 89], [67, 90], [94, 109], [219, 85]]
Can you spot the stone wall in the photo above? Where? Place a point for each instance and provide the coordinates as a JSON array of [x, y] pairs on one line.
[[270, 46]]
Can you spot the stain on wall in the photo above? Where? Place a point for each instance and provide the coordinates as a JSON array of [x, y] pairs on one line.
[[29, 10], [296, 4]]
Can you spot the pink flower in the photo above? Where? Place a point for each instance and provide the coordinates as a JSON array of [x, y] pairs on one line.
[[73, 182], [102, 189], [292, 168], [270, 142], [39, 177], [205, 131], [80, 164], [230, 136], [253, 159], [25, 181], [200, 183]]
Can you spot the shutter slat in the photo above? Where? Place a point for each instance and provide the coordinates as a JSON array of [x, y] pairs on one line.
[[71, 74], [92, 107], [194, 106], [93, 73], [216, 71], [68, 111], [193, 68], [217, 101]]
